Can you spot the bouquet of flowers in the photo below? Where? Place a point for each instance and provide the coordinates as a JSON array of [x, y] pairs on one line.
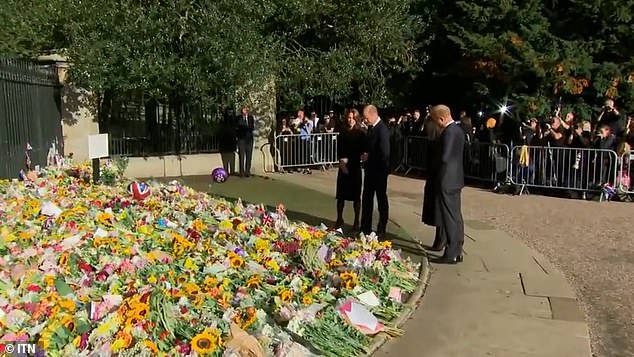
[[86, 270]]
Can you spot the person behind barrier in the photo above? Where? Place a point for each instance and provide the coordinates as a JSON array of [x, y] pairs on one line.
[[304, 150], [396, 144], [450, 182], [611, 117], [244, 132], [351, 144], [285, 143]]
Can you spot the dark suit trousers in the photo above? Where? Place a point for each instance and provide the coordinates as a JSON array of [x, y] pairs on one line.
[[374, 184], [452, 224], [245, 154], [440, 238]]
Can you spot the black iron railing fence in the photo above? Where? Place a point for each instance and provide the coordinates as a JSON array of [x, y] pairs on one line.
[[164, 142], [141, 126], [30, 113]]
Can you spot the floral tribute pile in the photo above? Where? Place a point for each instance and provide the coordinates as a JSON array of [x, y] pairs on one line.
[[86, 270]]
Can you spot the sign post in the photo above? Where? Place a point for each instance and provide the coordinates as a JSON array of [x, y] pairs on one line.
[[97, 149]]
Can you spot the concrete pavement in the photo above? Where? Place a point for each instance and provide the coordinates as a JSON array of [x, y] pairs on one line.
[[504, 300]]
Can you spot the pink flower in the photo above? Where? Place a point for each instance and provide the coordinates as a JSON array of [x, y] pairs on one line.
[[15, 337], [127, 267]]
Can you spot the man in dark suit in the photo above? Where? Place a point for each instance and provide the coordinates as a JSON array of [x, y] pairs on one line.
[[449, 184], [244, 133], [377, 169]]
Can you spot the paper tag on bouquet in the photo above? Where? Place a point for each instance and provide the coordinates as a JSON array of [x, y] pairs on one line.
[[319, 138], [368, 298], [395, 294], [360, 317], [285, 140]]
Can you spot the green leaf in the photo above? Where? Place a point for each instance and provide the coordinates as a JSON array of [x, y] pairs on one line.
[[63, 289]]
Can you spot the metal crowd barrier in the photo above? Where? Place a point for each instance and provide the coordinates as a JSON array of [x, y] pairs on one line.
[[415, 153], [486, 162], [626, 170], [299, 151], [482, 161], [563, 168]]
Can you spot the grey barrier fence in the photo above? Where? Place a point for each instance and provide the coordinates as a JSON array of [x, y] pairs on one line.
[[572, 169], [297, 150], [482, 161]]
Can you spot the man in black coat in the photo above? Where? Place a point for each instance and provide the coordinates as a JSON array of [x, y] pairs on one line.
[[449, 184], [377, 169], [244, 133]]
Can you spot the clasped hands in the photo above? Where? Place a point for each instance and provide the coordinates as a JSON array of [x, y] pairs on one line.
[[343, 165], [343, 162]]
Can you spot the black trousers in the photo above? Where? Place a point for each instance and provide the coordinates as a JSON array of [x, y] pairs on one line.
[[374, 184], [245, 154], [451, 222]]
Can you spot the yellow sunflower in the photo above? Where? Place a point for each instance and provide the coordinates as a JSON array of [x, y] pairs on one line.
[[349, 279], [67, 304], [104, 218], [335, 263], [307, 300], [210, 282], [254, 281], [206, 342], [68, 322], [236, 262], [286, 295], [191, 289]]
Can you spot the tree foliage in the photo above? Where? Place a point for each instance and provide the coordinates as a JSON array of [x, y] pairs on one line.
[[214, 49], [537, 54]]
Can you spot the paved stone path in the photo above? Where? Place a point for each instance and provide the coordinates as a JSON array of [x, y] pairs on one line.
[[505, 300]]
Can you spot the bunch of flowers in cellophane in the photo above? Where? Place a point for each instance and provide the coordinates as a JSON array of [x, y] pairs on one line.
[[86, 270]]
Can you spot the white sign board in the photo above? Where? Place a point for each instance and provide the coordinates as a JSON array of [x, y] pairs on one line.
[[98, 146]]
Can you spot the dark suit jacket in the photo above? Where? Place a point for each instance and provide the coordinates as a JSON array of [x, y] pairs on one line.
[[245, 130], [450, 165], [378, 149]]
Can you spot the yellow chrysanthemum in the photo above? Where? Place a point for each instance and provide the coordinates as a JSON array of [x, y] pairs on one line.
[[151, 346], [272, 264], [190, 265], [225, 225]]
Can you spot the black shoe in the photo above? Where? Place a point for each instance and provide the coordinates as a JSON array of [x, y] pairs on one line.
[[446, 260], [435, 248], [338, 224]]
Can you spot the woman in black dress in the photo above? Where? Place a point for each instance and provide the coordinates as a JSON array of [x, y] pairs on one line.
[[350, 147], [429, 195]]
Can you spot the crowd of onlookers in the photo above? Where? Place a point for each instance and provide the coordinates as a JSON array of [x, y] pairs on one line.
[[559, 151]]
